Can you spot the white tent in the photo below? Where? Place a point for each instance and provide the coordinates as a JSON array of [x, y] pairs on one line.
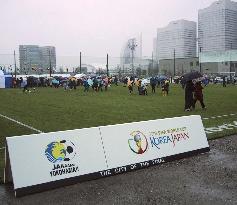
[[78, 76], [2, 79]]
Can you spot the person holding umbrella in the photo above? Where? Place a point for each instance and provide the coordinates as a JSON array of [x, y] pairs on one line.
[[189, 101], [86, 85], [189, 89]]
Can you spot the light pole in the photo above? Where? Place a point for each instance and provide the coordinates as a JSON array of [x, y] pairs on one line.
[[230, 59], [50, 66], [107, 65], [15, 62], [199, 54], [174, 62], [80, 62], [200, 64], [132, 45]]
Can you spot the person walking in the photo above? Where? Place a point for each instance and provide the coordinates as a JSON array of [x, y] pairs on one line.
[[153, 84], [198, 95], [116, 80], [106, 83], [189, 102], [166, 87], [65, 85], [86, 85], [130, 86], [25, 85], [95, 85], [224, 81], [138, 83], [144, 89], [100, 84]]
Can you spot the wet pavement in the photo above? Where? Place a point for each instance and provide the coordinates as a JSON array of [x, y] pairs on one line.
[[209, 178]]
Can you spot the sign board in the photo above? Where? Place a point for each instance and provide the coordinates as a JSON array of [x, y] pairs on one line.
[[40, 159], [143, 144], [45, 161]]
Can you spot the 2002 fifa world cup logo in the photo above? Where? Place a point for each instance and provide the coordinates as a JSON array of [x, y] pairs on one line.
[[138, 144]]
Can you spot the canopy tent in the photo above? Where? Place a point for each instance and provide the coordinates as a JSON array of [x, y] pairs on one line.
[[8, 81], [78, 76], [2, 79], [5, 80]]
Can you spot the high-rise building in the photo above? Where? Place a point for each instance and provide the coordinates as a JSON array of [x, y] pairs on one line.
[[154, 52], [178, 38], [217, 26], [29, 58], [36, 60], [48, 57]]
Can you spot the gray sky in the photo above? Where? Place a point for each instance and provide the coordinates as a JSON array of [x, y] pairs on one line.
[[95, 27]]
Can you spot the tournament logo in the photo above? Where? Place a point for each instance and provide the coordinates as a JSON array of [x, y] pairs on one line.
[[60, 151], [138, 144]]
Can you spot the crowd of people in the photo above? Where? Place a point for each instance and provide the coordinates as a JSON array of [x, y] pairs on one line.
[[96, 83], [142, 85], [193, 88]]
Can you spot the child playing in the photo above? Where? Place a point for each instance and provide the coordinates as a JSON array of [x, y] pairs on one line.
[[130, 86], [144, 89], [165, 88], [198, 96]]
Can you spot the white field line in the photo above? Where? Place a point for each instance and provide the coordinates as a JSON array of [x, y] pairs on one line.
[[219, 116], [20, 123], [39, 131]]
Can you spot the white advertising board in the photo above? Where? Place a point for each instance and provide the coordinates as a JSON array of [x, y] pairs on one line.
[[152, 141], [49, 160], [47, 157]]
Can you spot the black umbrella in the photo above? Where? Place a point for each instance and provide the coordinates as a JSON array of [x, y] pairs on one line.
[[191, 76]]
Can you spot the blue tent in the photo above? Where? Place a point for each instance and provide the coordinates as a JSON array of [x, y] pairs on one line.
[[8, 81]]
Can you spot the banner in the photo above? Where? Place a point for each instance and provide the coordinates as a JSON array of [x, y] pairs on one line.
[[45, 161], [40, 159], [152, 140]]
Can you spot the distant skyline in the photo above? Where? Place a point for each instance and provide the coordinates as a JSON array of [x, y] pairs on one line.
[[94, 27]]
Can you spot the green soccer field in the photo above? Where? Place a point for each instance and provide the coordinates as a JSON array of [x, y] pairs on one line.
[[51, 109]]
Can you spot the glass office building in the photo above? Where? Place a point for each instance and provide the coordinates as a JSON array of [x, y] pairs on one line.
[[177, 39], [217, 26], [36, 60]]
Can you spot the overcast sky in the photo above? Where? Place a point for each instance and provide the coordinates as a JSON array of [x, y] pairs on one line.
[[95, 27]]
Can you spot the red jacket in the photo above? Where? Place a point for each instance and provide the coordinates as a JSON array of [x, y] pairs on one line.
[[198, 91]]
